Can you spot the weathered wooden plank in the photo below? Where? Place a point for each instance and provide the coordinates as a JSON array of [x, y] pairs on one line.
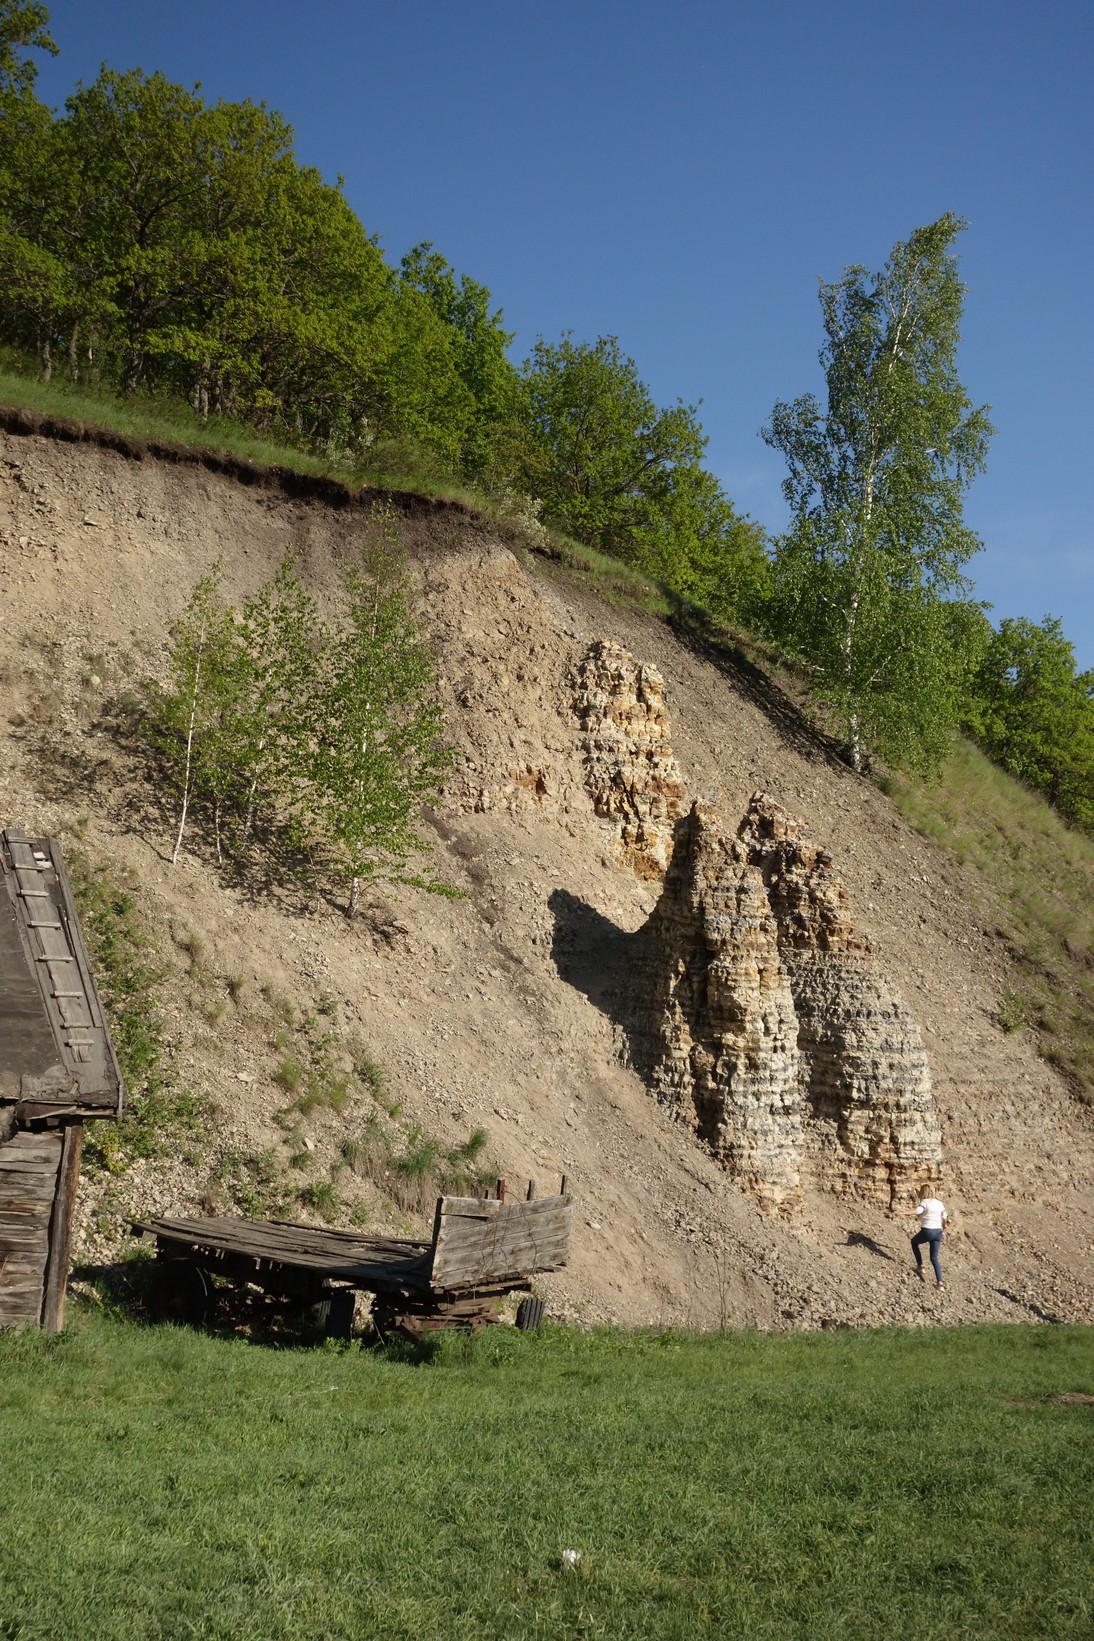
[[474, 1272], [351, 1257], [22, 855], [60, 1228], [55, 1052], [24, 1144], [476, 1242], [53, 945], [28, 1176], [27, 1170], [25, 1263], [508, 1247]]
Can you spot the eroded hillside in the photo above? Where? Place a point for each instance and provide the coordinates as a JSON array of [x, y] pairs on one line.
[[585, 732]]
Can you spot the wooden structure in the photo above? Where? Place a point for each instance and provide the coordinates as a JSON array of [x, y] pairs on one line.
[[480, 1250], [57, 1069]]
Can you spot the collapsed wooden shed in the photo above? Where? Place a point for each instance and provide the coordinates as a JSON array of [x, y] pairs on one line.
[[57, 1070]]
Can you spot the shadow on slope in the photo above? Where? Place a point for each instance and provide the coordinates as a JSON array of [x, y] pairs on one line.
[[594, 955]]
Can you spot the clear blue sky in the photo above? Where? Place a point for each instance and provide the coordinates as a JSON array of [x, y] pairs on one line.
[[679, 176]]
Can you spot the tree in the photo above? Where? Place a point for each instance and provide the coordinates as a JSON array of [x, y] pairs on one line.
[[379, 753], [697, 544], [24, 25], [194, 714], [1035, 716], [877, 539], [479, 344], [329, 730], [600, 454]]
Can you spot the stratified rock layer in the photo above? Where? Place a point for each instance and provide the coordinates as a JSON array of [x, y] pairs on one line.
[[721, 1050], [865, 1077], [765, 1024], [631, 774]]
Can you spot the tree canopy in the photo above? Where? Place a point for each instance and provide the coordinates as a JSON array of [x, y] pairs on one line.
[[1034, 714], [877, 540]]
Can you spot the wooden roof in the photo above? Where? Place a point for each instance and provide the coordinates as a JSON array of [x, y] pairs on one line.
[[56, 1057]]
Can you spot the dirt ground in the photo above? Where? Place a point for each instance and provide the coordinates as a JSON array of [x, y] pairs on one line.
[[498, 1010]]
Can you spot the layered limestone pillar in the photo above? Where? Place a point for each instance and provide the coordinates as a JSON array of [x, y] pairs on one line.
[[720, 1030], [630, 772], [865, 1078]]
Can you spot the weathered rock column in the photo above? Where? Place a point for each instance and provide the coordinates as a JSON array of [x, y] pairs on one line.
[[720, 1031], [631, 774], [864, 1071]]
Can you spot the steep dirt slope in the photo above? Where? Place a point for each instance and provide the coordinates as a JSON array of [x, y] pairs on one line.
[[505, 1009]]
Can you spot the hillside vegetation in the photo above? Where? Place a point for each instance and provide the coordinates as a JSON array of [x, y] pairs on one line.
[[176, 256], [1041, 874]]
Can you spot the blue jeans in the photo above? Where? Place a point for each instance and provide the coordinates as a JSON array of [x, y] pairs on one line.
[[934, 1239]]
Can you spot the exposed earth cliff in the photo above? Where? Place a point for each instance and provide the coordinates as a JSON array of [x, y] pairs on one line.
[[701, 967]]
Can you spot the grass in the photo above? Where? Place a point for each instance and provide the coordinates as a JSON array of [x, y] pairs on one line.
[[417, 1169], [129, 974], [1040, 877], [851, 1486], [255, 1185], [172, 421]]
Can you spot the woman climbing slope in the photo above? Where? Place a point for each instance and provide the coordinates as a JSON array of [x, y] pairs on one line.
[[933, 1218]]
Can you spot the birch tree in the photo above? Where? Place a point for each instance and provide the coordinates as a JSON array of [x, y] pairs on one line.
[[194, 713], [377, 724], [877, 542]]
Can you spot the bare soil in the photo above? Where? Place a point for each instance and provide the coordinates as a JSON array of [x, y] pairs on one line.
[[499, 1010]]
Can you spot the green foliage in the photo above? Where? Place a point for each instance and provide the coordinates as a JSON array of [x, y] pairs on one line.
[[255, 1183], [165, 246], [875, 484], [415, 1169], [1034, 714], [378, 754], [425, 1169], [816, 1487], [600, 451], [321, 1198], [491, 405], [624, 477], [128, 976], [24, 25], [1013, 1012], [322, 735]]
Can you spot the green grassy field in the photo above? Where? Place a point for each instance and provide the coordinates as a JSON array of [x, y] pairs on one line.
[[159, 1483]]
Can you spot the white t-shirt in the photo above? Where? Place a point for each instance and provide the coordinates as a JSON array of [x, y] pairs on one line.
[[931, 1214]]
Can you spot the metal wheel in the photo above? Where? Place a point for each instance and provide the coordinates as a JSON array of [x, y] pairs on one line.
[[181, 1294]]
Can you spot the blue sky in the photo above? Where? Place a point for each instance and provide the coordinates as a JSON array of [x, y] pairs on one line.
[[679, 176]]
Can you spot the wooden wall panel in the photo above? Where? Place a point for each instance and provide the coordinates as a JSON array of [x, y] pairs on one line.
[[485, 1242], [29, 1167]]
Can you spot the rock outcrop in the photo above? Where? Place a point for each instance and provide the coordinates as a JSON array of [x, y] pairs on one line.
[[765, 1024], [865, 1077], [721, 1049], [630, 772]]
